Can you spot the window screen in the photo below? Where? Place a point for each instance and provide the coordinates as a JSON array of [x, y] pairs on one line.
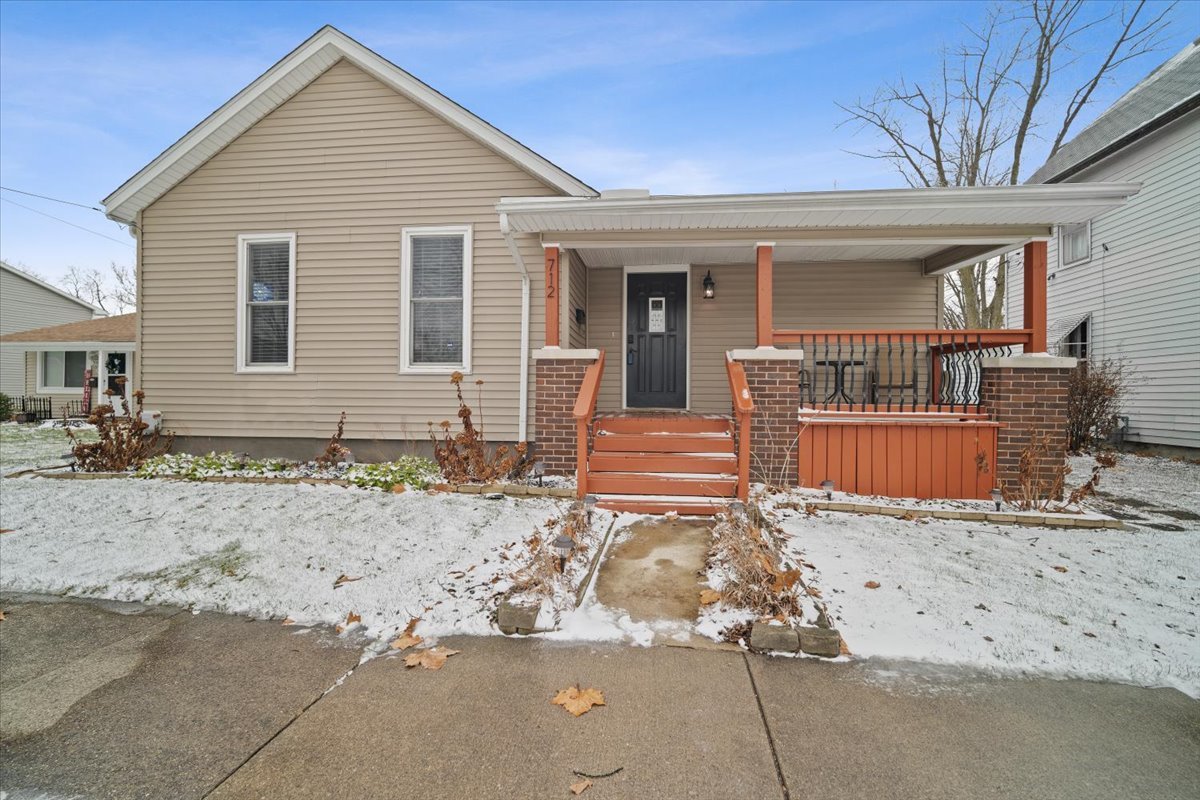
[[268, 274], [437, 299]]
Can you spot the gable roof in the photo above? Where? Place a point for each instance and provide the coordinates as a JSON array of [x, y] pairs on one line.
[[9, 268], [287, 77], [1164, 95], [102, 330]]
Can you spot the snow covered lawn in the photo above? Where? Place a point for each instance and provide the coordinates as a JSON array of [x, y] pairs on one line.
[[1108, 605], [28, 446], [267, 550]]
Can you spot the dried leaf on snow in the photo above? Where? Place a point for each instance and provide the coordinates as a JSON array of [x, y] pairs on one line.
[[431, 658], [709, 596], [580, 787], [346, 579], [288, 621], [408, 639], [871, 584], [352, 619], [1059, 569], [577, 701]]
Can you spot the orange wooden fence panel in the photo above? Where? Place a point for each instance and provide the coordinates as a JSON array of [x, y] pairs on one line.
[[922, 458]]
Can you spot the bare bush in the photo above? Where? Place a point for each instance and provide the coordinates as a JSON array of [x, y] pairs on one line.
[[465, 457], [758, 579], [335, 452], [539, 575], [123, 443], [1088, 488], [1094, 396], [1041, 474]]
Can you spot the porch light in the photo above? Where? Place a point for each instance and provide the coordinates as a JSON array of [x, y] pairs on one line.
[[710, 286], [997, 498], [589, 505], [827, 487], [563, 545]]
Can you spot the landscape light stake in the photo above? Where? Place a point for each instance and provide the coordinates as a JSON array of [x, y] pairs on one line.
[[827, 487], [997, 497], [563, 545], [589, 505], [539, 471]]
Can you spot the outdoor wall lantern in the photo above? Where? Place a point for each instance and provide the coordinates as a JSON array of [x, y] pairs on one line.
[[710, 286], [997, 498], [563, 545], [827, 487]]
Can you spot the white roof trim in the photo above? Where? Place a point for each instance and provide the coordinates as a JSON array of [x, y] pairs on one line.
[[280, 83], [97, 312], [30, 347]]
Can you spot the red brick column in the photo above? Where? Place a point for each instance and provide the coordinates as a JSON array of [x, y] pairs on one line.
[[557, 379], [774, 382], [1028, 395]]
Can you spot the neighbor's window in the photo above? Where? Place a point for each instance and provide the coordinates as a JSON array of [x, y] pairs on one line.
[[435, 289], [1075, 242], [266, 302], [59, 370]]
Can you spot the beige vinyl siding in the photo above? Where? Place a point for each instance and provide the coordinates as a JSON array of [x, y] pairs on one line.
[[1144, 293], [577, 293], [345, 165], [25, 305], [809, 296]]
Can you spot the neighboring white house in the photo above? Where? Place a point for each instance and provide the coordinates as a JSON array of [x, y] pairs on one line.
[[1127, 284], [27, 303]]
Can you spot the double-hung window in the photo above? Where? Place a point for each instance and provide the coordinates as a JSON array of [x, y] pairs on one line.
[[435, 299], [61, 371], [1075, 243], [266, 335]]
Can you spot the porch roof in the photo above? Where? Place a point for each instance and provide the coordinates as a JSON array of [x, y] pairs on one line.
[[942, 227], [102, 333]]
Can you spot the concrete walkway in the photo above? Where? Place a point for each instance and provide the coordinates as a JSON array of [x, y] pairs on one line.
[[102, 701]]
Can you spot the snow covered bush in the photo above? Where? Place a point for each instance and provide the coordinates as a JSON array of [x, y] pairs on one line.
[[413, 471], [190, 467], [465, 457]]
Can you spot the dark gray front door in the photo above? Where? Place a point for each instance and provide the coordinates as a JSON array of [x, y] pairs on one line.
[[656, 340]]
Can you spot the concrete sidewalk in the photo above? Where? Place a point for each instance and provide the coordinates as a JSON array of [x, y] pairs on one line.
[[101, 700]]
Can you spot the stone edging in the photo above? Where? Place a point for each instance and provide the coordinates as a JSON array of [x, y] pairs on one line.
[[998, 517]]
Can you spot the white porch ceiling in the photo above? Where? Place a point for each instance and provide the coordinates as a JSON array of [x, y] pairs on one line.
[[717, 256]]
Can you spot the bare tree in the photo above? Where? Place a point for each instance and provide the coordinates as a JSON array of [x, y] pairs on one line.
[[115, 292], [124, 286], [970, 125]]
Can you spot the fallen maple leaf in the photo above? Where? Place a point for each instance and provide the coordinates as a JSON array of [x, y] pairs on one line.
[[1059, 569], [1, 616], [288, 621], [431, 658], [408, 639], [709, 596], [581, 787], [345, 579], [577, 701], [352, 619], [399, 488], [871, 584]]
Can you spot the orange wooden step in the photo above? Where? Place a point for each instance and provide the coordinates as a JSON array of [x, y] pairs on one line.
[[721, 463], [664, 443], [685, 506], [673, 484], [665, 423]]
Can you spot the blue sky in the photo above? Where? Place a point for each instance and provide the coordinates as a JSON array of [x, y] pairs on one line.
[[674, 97]]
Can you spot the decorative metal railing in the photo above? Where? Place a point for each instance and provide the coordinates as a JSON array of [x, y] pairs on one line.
[[896, 371]]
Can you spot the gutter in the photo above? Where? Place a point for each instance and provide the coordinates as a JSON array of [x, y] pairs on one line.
[[515, 251]]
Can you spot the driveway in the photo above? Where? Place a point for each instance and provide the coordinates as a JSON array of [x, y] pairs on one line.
[[105, 700]]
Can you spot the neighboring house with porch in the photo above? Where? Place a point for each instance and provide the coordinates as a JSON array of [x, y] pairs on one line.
[[27, 302], [1126, 284], [59, 359], [340, 236]]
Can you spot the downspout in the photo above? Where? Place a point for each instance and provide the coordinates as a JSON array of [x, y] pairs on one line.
[[523, 413]]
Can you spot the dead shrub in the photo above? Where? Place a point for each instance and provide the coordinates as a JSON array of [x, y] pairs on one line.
[[1041, 475], [539, 575], [335, 452], [1094, 396], [1087, 489], [757, 578], [465, 457], [123, 443]]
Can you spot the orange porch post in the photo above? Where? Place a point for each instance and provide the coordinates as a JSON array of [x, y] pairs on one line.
[[765, 324], [1035, 295], [552, 295]]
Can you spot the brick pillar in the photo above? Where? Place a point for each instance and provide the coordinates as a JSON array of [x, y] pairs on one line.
[[774, 380], [558, 375], [1028, 395]]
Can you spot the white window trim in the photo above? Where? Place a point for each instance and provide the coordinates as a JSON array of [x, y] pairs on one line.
[[42, 388], [243, 313], [406, 237], [1062, 258]]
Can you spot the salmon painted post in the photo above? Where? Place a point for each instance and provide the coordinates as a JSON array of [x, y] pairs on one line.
[[585, 410], [764, 313], [553, 301], [1035, 295], [743, 409]]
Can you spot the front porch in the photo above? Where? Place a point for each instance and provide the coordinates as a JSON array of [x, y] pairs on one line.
[[819, 351]]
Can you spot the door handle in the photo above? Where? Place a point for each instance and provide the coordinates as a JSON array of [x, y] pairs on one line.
[[629, 356]]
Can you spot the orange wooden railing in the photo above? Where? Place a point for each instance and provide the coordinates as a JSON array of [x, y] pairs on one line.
[[743, 409], [585, 410]]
